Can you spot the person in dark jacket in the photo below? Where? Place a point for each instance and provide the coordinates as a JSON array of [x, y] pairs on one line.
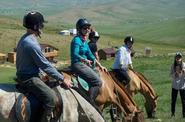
[[94, 37]]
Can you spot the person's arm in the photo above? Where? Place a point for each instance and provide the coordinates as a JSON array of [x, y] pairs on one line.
[[100, 66], [130, 66], [96, 55], [96, 52], [75, 48], [172, 72], [120, 54], [44, 64]]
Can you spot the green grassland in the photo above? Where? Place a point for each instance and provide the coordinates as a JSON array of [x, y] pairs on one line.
[[156, 70]]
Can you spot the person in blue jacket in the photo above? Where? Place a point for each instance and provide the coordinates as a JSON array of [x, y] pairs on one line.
[[82, 58], [30, 61]]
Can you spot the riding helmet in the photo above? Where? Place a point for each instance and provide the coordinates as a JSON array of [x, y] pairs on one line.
[[94, 34], [81, 23], [34, 21], [129, 39]]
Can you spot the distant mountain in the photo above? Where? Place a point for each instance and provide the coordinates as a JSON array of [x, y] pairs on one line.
[[17, 7], [144, 18], [115, 9]]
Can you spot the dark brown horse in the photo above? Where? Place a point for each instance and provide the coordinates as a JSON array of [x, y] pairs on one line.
[[112, 93], [140, 84]]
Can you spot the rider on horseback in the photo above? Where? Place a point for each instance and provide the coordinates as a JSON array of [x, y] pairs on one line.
[[94, 37], [30, 60], [82, 58], [123, 61]]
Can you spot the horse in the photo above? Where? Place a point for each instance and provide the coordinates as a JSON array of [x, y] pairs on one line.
[[111, 93], [139, 83], [74, 108]]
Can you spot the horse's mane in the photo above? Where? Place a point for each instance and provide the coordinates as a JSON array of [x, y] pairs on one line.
[[115, 81], [122, 87], [145, 81]]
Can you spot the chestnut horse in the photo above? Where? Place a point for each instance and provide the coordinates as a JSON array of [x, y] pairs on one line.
[[139, 83], [112, 93]]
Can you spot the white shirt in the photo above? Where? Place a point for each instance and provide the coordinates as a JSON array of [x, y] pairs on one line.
[[178, 82], [122, 58]]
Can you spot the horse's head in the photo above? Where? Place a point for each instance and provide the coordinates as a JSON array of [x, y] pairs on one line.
[[146, 90], [151, 106]]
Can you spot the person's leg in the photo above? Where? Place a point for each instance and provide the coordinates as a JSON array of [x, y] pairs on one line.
[[182, 94], [173, 101], [122, 76], [90, 76], [44, 94]]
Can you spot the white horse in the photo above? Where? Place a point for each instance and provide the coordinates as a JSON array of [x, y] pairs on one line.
[[75, 108]]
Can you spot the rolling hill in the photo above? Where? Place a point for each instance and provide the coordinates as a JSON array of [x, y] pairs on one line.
[[155, 23]]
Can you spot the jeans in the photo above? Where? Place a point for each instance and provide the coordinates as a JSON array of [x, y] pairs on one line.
[[90, 76], [122, 76], [41, 91]]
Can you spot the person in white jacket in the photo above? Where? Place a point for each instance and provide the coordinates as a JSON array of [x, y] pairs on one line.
[[123, 61], [178, 82]]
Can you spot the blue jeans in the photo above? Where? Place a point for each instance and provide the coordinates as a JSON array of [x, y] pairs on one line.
[[90, 76], [41, 91]]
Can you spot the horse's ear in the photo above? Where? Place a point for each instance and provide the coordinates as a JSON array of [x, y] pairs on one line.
[[156, 97]]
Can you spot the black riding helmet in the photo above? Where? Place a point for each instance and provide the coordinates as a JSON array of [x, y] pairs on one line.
[[94, 34], [34, 21], [81, 23], [129, 39], [178, 54]]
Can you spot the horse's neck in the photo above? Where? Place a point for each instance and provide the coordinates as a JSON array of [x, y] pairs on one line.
[[124, 98], [147, 89]]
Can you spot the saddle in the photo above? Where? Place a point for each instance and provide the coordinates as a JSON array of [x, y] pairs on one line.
[[79, 85], [78, 82], [29, 109]]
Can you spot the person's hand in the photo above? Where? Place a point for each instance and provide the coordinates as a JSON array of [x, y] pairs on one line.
[[67, 83], [103, 68], [88, 62], [129, 66]]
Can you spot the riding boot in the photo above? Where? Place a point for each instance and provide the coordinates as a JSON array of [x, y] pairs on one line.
[[46, 116], [93, 94]]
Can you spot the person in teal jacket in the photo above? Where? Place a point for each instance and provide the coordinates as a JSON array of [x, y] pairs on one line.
[[82, 58]]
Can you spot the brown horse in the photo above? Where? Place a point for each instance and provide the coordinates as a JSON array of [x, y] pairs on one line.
[[112, 93], [140, 84]]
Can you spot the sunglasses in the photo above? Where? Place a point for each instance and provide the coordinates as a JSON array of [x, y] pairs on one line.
[[86, 28]]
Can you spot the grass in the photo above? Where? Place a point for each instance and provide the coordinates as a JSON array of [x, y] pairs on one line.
[[7, 73], [156, 70]]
